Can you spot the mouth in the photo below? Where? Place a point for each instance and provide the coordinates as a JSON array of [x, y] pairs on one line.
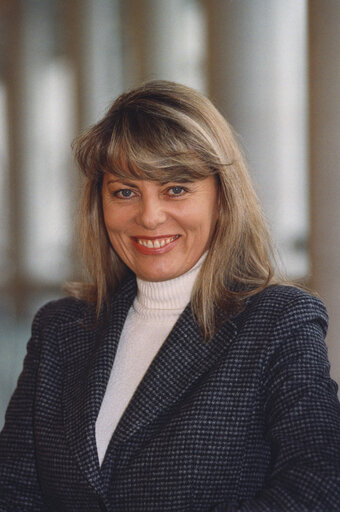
[[155, 245]]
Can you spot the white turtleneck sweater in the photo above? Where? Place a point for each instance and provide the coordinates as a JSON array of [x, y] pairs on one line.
[[150, 319]]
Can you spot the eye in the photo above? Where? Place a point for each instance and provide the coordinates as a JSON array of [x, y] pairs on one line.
[[177, 191], [124, 193]]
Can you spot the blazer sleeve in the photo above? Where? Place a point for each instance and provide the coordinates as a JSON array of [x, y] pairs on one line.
[[302, 416], [19, 486]]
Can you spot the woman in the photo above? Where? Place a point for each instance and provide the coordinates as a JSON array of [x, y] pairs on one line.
[[181, 376]]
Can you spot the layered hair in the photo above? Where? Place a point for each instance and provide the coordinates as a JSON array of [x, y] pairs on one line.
[[164, 131]]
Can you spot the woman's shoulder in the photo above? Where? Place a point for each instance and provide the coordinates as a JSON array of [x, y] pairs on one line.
[[286, 294], [286, 302], [64, 310]]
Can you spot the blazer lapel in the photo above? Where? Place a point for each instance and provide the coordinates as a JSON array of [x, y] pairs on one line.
[[182, 359], [88, 352]]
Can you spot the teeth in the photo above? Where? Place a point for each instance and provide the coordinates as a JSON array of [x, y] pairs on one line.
[[156, 244]]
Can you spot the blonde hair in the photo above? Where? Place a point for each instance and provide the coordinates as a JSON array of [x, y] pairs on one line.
[[165, 131]]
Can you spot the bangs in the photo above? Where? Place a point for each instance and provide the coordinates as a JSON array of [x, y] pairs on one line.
[[151, 147]]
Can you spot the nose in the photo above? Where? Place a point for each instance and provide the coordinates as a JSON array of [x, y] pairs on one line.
[[151, 213]]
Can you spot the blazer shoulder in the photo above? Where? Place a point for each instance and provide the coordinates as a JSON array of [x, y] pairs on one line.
[[284, 295], [64, 310], [290, 304]]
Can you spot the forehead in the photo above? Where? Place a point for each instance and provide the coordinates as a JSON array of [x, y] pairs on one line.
[[164, 172], [163, 165]]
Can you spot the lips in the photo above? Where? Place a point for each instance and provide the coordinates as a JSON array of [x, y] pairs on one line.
[[155, 245]]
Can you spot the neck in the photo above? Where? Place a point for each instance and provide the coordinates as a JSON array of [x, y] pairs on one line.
[[172, 295]]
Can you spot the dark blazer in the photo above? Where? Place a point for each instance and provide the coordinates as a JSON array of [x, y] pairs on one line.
[[247, 422]]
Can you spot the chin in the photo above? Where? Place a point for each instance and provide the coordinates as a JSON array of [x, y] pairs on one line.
[[155, 276]]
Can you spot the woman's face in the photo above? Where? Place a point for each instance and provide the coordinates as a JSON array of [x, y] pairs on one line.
[[159, 230]]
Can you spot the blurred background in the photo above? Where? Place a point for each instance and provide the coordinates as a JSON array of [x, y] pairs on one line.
[[271, 66]]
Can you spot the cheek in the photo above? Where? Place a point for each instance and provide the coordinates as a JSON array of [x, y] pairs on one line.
[[108, 219], [213, 209], [204, 217], [112, 219]]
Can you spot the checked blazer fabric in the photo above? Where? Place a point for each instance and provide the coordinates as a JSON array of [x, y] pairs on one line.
[[249, 422]]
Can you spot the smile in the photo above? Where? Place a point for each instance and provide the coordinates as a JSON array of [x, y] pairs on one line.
[[156, 243]]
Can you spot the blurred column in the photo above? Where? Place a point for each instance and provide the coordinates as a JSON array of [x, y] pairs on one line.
[[100, 56], [163, 43], [12, 160], [324, 36], [46, 119], [257, 78], [171, 40]]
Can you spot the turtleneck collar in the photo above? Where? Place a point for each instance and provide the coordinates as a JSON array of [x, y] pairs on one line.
[[172, 295]]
